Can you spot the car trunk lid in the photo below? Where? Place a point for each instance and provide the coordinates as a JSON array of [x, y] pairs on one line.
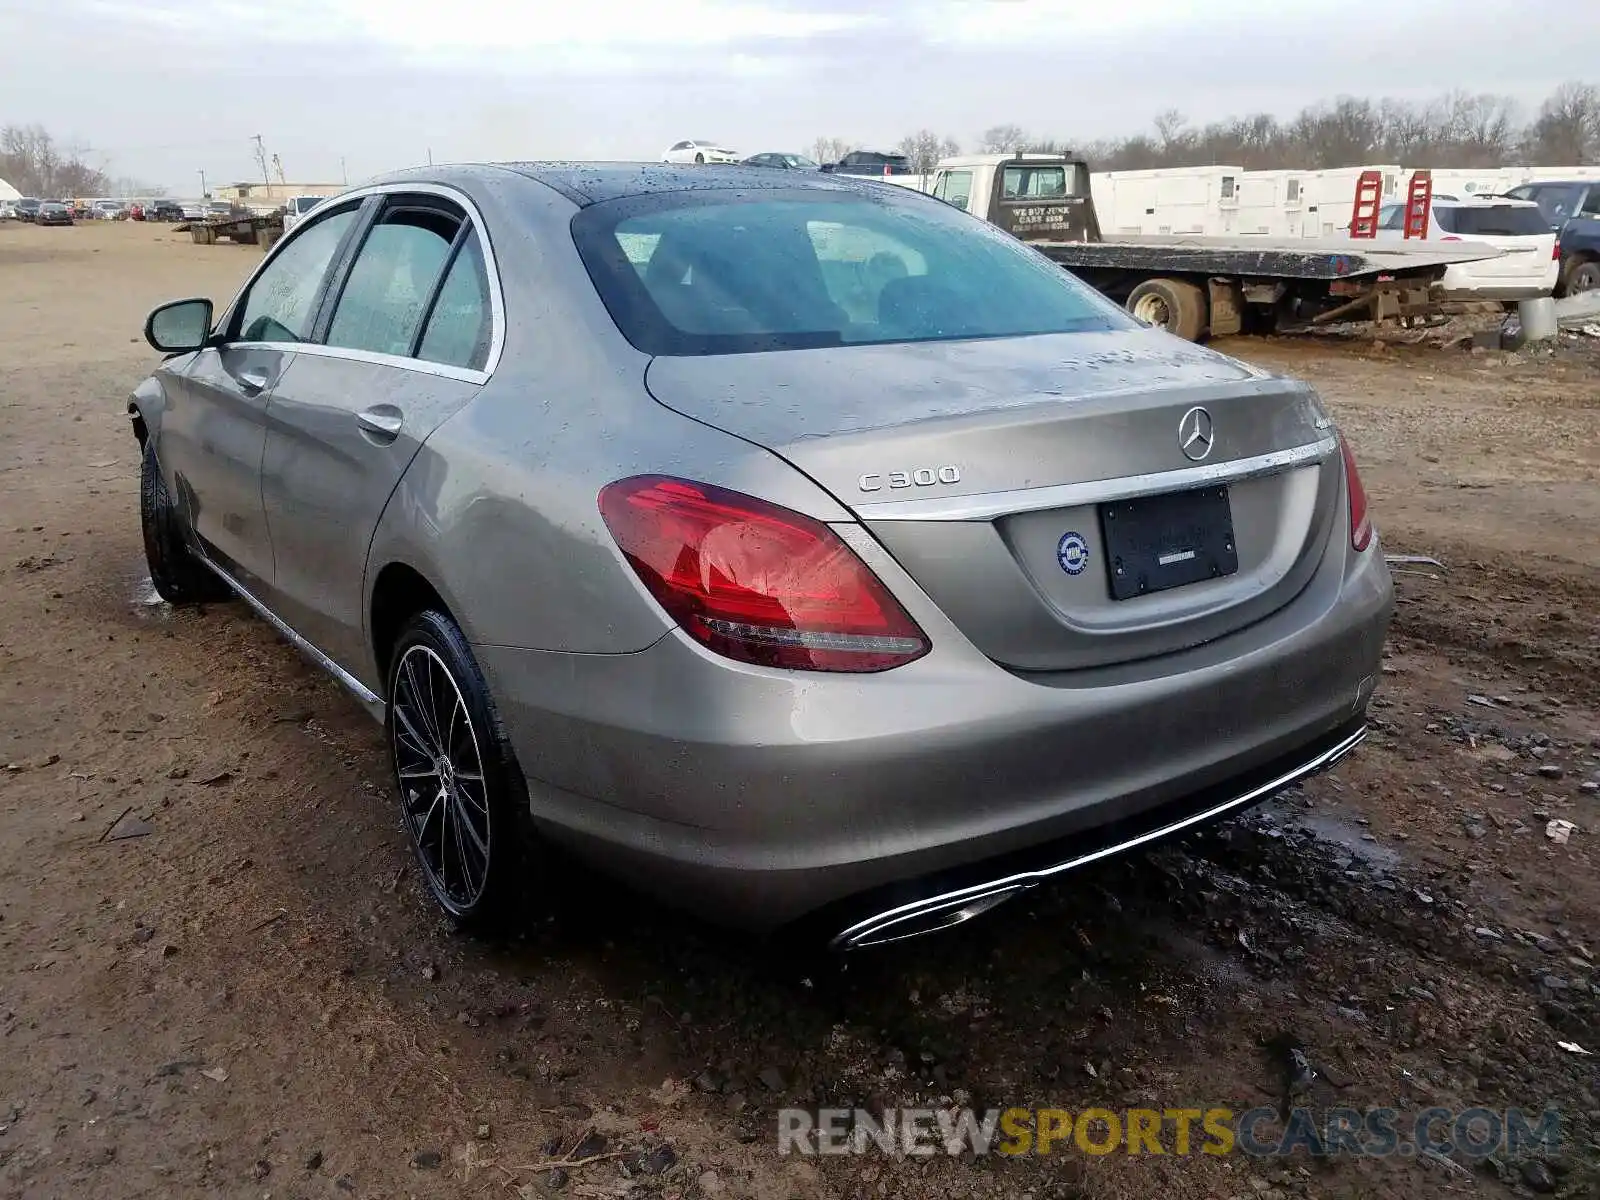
[[995, 472]]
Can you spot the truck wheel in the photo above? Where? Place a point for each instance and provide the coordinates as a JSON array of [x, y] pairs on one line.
[[1580, 277], [1172, 305]]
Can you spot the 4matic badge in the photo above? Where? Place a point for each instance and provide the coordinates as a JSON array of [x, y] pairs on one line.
[[1072, 552]]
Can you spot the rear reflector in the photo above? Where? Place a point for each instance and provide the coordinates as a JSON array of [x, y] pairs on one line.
[[1360, 518], [756, 582]]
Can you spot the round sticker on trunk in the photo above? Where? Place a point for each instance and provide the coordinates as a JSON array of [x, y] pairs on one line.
[[1072, 552]]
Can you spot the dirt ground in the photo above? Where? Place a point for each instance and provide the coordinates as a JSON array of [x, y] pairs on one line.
[[253, 999]]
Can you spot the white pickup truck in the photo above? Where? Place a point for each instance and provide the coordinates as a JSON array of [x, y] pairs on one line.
[[1194, 286]]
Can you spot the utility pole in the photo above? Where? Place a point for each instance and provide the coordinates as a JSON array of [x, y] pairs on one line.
[[430, 156], [203, 193], [343, 174], [261, 161]]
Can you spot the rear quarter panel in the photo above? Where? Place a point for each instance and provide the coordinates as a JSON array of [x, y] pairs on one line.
[[499, 510]]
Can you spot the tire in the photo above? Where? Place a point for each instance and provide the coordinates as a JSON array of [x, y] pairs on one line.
[[700, 159], [1580, 276], [438, 694], [1172, 305], [177, 573]]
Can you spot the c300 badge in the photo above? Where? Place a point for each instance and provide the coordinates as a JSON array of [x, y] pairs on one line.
[[1072, 552]]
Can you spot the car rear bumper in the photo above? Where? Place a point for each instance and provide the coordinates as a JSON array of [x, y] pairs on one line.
[[761, 797], [1501, 292]]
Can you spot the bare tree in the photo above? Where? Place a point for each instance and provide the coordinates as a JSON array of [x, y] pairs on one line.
[[925, 148], [1002, 139], [1567, 130], [831, 149], [32, 163]]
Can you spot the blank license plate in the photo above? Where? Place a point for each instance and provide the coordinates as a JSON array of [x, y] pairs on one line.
[[1160, 542]]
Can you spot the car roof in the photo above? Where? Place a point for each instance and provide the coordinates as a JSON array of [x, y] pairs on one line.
[[586, 183], [1492, 201]]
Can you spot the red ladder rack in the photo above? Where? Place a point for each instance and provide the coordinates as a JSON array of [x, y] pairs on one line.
[[1419, 201], [1369, 195]]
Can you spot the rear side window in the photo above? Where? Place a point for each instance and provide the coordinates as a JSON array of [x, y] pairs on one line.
[[1491, 220], [389, 285], [693, 273], [461, 323]]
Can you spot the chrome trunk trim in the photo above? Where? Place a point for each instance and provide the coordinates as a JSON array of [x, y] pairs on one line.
[[985, 506]]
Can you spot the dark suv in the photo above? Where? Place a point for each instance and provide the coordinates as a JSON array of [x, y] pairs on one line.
[[28, 209], [870, 162], [163, 210], [1573, 209]]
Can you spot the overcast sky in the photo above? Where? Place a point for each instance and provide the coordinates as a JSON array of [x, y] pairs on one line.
[[161, 89]]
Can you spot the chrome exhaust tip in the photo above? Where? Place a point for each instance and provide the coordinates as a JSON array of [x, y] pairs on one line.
[[924, 917]]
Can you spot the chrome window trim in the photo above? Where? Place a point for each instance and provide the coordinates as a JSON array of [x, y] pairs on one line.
[[497, 309], [985, 506]]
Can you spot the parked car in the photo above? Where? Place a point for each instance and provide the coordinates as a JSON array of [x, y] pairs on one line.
[[782, 161], [82, 209], [8, 210], [192, 212], [870, 162], [297, 207], [55, 212], [699, 152], [110, 210], [1528, 265], [28, 208], [973, 612], [1573, 210], [163, 210]]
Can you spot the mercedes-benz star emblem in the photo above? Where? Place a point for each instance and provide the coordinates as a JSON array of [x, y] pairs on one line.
[[1196, 434]]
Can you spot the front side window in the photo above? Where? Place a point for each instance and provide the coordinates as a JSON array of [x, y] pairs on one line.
[[282, 302], [954, 187], [715, 273], [1591, 205], [392, 279]]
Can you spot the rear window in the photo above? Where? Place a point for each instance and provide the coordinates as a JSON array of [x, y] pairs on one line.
[[304, 204], [1491, 220], [1027, 183], [687, 273]]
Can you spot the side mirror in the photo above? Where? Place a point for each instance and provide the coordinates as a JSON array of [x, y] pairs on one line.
[[179, 326]]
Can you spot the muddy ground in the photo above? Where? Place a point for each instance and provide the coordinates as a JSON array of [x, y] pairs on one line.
[[253, 999]]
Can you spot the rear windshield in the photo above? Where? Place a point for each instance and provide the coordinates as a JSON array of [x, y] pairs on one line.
[[693, 273], [304, 204], [1491, 220]]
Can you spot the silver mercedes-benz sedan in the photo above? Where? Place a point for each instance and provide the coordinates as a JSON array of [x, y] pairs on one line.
[[801, 549]]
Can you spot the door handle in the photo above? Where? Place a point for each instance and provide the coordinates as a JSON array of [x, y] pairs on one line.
[[254, 379], [380, 422]]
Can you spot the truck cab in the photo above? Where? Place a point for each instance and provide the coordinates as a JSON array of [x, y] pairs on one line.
[[1035, 197]]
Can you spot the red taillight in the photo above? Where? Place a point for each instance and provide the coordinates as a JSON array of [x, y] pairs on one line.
[[1555, 252], [756, 582], [1360, 518]]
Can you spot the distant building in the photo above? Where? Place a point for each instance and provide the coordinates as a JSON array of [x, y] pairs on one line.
[[258, 194]]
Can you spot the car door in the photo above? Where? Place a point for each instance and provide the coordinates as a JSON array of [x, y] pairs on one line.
[[213, 431], [404, 342]]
